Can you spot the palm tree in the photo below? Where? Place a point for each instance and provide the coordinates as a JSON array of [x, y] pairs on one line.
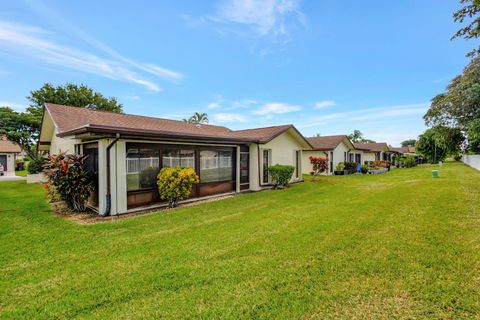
[[197, 118], [356, 136]]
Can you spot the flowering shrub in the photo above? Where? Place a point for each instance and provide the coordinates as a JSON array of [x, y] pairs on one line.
[[382, 164], [68, 179], [319, 164], [175, 184], [281, 174], [351, 167]]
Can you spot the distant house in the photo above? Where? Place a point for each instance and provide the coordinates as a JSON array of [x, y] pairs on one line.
[[8, 153], [126, 151], [405, 151], [375, 151], [336, 148]]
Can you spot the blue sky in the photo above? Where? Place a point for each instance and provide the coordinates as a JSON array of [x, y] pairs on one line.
[[326, 66]]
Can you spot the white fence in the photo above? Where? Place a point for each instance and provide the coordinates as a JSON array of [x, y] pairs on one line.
[[472, 160], [136, 165]]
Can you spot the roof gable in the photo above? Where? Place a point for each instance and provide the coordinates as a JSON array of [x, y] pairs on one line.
[[324, 143], [72, 120], [8, 146], [372, 147]]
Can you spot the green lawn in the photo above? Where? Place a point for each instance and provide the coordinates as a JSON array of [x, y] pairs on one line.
[[21, 173], [397, 245]]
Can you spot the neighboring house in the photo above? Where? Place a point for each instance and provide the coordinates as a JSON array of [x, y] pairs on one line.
[[404, 151], [8, 153], [336, 148], [126, 152], [375, 151]]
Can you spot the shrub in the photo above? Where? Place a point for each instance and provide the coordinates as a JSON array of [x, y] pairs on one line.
[[175, 184], [36, 165], [148, 177], [281, 174], [68, 178], [340, 166], [364, 168], [457, 157], [381, 164], [409, 162], [319, 165], [351, 166]]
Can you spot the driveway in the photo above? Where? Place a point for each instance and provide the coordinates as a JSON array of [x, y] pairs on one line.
[[9, 176]]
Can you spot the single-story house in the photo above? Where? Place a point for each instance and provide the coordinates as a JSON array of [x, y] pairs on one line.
[[404, 151], [337, 149], [126, 152], [8, 153], [374, 151]]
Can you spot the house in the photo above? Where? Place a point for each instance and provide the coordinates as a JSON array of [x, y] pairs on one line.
[[374, 151], [8, 153], [336, 148], [404, 151], [126, 152]]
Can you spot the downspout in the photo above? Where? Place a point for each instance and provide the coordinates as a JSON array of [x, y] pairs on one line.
[[108, 196]]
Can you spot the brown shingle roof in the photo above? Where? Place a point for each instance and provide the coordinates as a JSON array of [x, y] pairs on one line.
[[374, 147], [262, 134], [403, 149], [70, 120], [8, 146], [326, 142]]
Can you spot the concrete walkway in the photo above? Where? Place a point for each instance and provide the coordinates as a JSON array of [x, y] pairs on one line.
[[9, 176]]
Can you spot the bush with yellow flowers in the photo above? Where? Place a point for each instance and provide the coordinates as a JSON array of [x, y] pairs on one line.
[[175, 184]]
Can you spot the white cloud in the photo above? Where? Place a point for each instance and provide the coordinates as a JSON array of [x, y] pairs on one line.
[[228, 117], [38, 44], [369, 114], [324, 104], [265, 17], [15, 106], [276, 108]]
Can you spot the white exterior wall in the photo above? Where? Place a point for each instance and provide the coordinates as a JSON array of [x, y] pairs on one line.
[[368, 156], [10, 161], [283, 151], [306, 165], [65, 144], [472, 160], [338, 156]]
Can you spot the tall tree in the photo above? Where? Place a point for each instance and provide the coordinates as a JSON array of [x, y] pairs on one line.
[[197, 117], [19, 128], [438, 142], [471, 10], [473, 134], [356, 136], [71, 95], [408, 143]]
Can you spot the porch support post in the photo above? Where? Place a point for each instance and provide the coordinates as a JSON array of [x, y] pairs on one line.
[[237, 169]]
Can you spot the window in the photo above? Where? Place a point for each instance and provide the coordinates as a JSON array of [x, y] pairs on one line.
[[351, 155], [176, 157], [142, 168], [216, 166], [244, 167], [266, 161]]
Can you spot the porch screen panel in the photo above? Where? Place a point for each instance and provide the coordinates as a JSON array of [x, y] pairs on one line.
[[176, 157], [216, 166], [142, 168]]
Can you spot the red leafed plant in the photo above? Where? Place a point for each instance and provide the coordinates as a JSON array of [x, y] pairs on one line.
[[68, 178], [319, 164]]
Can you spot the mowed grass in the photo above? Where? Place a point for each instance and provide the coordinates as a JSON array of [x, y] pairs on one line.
[[398, 245]]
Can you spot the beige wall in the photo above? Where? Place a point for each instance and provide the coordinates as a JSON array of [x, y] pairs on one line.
[[368, 156], [66, 144], [283, 151], [306, 154]]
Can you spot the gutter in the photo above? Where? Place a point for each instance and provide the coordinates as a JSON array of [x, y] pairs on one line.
[[108, 196]]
